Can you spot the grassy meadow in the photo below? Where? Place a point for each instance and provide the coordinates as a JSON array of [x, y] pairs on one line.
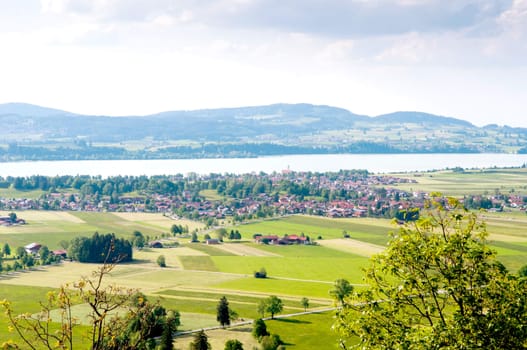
[[478, 181], [198, 275]]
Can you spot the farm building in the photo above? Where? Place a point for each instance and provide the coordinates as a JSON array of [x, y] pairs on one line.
[[60, 252], [8, 221], [155, 244], [33, 248]]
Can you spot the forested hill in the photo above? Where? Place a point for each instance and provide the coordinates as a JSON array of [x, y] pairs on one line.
[[419, 117], [281, 120], [33, 132], [208, 124]]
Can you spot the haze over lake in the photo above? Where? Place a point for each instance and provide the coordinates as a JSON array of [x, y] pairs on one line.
[[376, 163]]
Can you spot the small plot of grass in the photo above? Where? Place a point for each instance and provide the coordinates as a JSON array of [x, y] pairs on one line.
[[208, 307], [512, 247], [13, 193], [517, 228], [513, 262], [159, 221], [307, 251], [512, 255], [42, 216], [232, 298], [23, 299], [210, 249], [200, 263], [278, 287], [305, 332], [192, 320], [153, 280], [132, 276], [211, 195], [111, 223], [305, 268], [468, 182], [150, 256]]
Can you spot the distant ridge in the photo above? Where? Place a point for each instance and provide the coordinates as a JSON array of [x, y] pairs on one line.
[[31, 132], [420, 117], [266, 112], [26, 109]]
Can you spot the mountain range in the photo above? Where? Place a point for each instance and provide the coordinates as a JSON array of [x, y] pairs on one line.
[[205, 124], [286, 128]]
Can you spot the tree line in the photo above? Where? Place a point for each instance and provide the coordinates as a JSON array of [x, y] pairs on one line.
[[87, 151]]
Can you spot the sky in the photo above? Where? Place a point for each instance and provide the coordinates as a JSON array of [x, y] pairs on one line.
[[460, 58]]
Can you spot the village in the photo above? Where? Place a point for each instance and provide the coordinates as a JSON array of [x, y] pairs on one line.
[[335, 195]]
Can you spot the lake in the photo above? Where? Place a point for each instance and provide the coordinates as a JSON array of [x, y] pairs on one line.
[[376, 163]]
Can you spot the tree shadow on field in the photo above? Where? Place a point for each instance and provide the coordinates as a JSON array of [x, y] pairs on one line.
[[292, 320], [136, 262], [15, 274], [242, 329]]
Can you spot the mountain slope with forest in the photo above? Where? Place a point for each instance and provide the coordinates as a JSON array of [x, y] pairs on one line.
[[34, 132]]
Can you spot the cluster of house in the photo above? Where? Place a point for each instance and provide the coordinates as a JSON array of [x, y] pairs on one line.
[[372, 196], [34, 248]]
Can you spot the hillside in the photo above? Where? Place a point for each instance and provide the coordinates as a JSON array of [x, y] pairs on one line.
[[32, 132]]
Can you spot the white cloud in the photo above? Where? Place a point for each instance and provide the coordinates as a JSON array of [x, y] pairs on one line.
[[137, 56], [514, 20], [337, 50]]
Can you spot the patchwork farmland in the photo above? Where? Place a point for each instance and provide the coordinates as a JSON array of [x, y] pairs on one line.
[[197, 275]]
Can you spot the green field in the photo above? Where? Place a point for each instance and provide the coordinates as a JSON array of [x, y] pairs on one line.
[[197, 275], [468, 182], [365, 229]]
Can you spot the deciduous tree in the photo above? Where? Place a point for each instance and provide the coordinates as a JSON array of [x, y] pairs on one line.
[[233, 344], [161, 261], [341, 289], [259, 329], [438, 286], [274, 305], [135, 329], [305, 303]]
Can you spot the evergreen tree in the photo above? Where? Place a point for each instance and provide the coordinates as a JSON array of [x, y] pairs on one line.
[[200, 342], [167, 337], [223, 312], [6, 251]]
